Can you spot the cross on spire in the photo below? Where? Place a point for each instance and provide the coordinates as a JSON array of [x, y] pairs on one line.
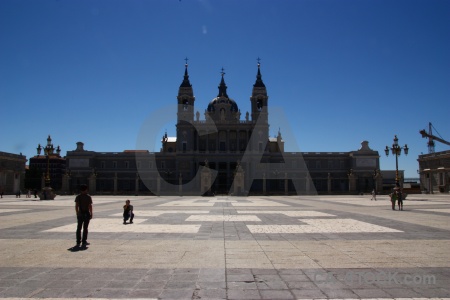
[[259, 82], [223, 73], [186, 82]]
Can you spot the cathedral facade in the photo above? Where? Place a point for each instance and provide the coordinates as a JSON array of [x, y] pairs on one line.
[[225, 152]]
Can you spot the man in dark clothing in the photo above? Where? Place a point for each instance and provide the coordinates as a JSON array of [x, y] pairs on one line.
[[83, 208], [128, 212], [400, 199]]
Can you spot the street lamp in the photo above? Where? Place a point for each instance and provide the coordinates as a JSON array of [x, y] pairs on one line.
[[48, 151], [397, 151]]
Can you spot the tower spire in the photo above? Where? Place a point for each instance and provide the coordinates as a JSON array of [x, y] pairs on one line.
[[186, 82], [222, 86], [259, 82]]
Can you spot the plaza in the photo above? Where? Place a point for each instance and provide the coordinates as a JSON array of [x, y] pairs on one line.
[[222, 247]]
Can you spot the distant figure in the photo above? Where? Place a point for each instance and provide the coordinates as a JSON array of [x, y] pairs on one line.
[[1, 192], [35, 193], [393, 196], [29, 193], [83, 209], [374, 195], [18, 194], [400, 199], [128, 212]]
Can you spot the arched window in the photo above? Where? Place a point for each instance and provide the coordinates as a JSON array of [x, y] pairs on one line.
[[259, 104]]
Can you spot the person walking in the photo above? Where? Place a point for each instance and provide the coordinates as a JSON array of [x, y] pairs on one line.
[[374, 195], [84, 211], [128, 212]]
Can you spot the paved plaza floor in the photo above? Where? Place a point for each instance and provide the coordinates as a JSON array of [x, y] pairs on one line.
[[280, 247]]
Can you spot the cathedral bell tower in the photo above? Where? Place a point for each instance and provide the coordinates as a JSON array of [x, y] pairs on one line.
[[185, 99], [260, 113], [259, 99], [185, 115]]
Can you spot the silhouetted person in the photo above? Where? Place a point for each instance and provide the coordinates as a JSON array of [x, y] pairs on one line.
[[400, 200], [393, 196], [128, 212], [83, 208]]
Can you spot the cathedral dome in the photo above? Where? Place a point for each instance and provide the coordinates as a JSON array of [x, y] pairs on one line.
[[222, 101]]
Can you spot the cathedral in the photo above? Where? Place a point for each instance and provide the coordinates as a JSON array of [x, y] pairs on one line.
[[224, 152]]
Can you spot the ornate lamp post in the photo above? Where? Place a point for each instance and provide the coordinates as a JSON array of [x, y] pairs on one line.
[[397, 151], [47, 192]]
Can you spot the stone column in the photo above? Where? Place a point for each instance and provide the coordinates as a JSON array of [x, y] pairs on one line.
[[329, 183], [238, 144], [218, 142], [285, 184], [65, 188], [247, 138], [238, 182], [351, 182], [205, 185], [378, 182], [307, 184], [115, 183], [180, 185], [264, 184], [136, 184], [158, 184], [198, 142], [92, 184], [446, 182]]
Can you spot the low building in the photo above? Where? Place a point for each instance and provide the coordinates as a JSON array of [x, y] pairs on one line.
[[434, 171], [12, 172]]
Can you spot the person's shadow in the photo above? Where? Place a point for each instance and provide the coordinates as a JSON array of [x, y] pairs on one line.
[[77, 248]]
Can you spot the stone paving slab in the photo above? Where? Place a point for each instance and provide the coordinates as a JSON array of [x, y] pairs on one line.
[[323, 247], [288, 213]]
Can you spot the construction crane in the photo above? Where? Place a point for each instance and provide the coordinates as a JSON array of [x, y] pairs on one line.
[[432, 138]]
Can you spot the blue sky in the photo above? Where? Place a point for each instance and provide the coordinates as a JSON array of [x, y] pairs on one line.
[[341, 71]]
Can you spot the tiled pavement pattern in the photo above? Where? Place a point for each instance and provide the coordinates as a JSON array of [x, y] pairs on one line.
[[306, 247]]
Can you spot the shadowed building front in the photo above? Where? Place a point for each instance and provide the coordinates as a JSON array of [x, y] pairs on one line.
[[224, 152]]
